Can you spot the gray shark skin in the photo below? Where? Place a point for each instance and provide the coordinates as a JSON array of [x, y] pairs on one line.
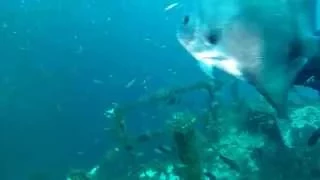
[[266, 43]]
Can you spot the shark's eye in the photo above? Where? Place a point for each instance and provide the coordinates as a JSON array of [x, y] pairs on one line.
[[213, 37], [186, 20]]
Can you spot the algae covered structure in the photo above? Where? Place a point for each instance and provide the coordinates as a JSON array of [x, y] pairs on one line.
[[239, 141]]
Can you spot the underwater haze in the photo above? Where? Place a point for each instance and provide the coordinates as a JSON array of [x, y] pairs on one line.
[[64, 61], [95, 90]]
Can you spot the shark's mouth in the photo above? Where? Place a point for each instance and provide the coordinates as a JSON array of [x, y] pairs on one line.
[[218, 59]]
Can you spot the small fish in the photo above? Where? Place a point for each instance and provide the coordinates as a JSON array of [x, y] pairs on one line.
[[144, 137], [97, 81], [163, 149], [130, 83], [310, 74], [180, 165], [128, 147], [210, 175], [310, 80], [4, 25], [80, 50], [156, 150], [231, 163], [313, 139], [80, 153], [136, 154], [93, 171], [173, 100], [171, 6]]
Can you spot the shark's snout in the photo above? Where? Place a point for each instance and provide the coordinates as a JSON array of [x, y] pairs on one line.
[[204, 44]]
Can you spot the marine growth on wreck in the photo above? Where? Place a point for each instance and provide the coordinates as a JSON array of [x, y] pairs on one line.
[[219, 141]]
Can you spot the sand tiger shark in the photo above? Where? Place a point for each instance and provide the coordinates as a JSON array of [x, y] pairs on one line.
[[269, 44]]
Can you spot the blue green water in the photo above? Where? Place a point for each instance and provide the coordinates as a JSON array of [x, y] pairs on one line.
[[64, 61]]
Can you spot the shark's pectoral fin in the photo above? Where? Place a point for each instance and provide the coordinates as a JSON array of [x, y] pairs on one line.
[[275, 82], [275, 91]]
